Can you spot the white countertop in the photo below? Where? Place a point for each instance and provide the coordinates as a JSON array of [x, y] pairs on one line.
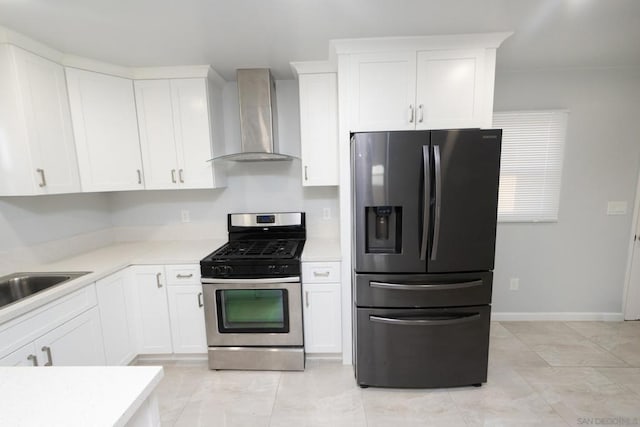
[[109, 259], [74, 396]]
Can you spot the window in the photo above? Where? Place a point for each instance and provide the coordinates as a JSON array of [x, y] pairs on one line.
[[531, 164]]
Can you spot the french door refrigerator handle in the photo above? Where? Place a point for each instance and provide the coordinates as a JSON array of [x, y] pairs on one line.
[[436, 222], [426, 286], [425, 322], [425, 206]]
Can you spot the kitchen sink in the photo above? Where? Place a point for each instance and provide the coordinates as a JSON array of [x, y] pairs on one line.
[[18, 286]]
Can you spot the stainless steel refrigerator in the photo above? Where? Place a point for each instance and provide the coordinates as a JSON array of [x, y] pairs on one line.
[[425, 209]]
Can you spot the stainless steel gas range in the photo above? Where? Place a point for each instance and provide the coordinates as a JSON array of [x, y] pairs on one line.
[[253, 294]]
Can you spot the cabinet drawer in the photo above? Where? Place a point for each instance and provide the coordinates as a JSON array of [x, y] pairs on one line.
[[183, 274], [321, 272], [28, 327]]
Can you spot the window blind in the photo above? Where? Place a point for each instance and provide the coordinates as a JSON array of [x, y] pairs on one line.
[[531, 164]]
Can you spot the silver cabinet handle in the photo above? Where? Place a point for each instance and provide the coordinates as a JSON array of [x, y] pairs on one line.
[[306, 299], [43, 180], [323, 274], [421, 110], [426, 321], [180, 175], [425, 286], [306, 176], [200, 304], [33, 359], [425, 202], [411, 114], [139, 176], [184, 276], [158, 280], [436, 225], [173, 176], [47, 350]]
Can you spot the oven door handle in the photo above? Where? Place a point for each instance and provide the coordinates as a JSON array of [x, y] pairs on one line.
[[292, 279], [454, 320]]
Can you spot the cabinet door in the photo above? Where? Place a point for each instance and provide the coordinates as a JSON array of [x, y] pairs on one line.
[[319, 128], [24, 356], [157, 143], [322, 321], [43, 92], [151, 311], [449, 89], [383, 88], [77, 342], [191, 119], [106, 131], [187, 319], [117, 331]]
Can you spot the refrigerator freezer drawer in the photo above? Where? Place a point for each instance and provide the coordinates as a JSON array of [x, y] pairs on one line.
[[422, 348], [423, 290]]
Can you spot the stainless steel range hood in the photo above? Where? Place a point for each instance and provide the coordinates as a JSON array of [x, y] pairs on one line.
[[258, 117]]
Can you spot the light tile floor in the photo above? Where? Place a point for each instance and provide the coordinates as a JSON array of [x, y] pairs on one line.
[[540, 373]]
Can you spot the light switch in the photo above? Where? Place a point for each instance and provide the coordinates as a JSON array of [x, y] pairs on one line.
[[617, 208]]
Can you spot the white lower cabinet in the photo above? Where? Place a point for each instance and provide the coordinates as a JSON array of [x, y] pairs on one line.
[[24, 356], [65, 332], [77, 342], [150, 309], [187, 319], [321, 307], [115, 314]]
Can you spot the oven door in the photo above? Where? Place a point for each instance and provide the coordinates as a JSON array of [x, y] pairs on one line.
[[253, 312]]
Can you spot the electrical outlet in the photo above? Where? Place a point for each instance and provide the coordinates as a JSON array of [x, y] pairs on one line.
[[514, 284], [326, 213], [185, 216]]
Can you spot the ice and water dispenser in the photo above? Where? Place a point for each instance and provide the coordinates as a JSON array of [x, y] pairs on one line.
[[384, 229]]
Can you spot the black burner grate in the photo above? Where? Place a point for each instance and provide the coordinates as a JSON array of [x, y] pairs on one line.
[[282, 249]]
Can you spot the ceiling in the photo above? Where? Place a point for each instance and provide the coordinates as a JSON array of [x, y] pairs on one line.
[[245, 33]]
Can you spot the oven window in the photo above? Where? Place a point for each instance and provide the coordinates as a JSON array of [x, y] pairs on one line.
[[253, 310]]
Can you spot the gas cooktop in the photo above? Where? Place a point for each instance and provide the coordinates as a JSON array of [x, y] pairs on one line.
[[259, 246], [247, 249]]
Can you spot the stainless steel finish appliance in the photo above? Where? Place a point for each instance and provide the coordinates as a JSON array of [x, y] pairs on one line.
[[425, 206], [253, 294], [258, 117]]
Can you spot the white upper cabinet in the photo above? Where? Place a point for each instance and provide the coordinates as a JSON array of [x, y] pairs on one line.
[[383, 91], [449, 90], [176, 121], [318, 124], [405, 83], [37, 153], [106, 131], [418, 90]]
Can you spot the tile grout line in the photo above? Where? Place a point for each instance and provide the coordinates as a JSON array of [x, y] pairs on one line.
[[600, 346], [275, 399]]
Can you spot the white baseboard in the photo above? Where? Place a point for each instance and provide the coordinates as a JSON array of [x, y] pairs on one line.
[[560, 316]]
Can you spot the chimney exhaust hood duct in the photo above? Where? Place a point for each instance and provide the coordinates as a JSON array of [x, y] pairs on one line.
[[258, 117]]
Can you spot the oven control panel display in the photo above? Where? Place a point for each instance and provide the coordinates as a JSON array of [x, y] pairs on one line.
[[265, 219]]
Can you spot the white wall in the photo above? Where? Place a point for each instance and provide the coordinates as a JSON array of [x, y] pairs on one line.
[[26, 221], [40, 229], [577, 264]]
